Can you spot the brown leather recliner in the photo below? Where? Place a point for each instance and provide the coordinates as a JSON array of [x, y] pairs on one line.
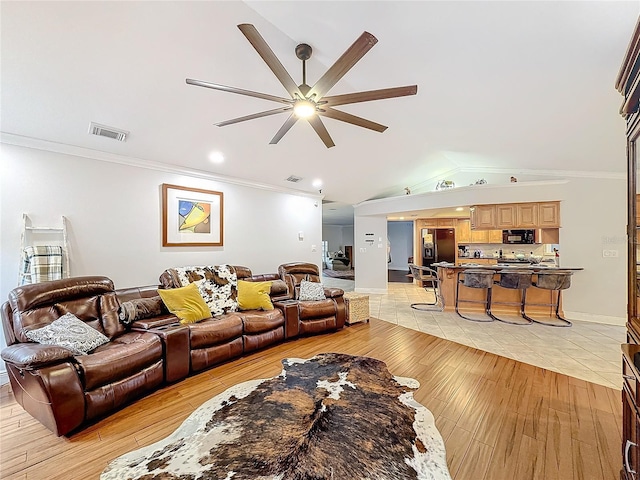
[[62, 390], [311, 316]]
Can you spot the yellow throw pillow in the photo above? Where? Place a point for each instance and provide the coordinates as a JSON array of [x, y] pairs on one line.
[[186, 303], [254, 295]]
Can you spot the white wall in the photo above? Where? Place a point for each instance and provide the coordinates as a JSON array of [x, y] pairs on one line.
[[593, 218], [401, 239], [371, 272], [114, 215]]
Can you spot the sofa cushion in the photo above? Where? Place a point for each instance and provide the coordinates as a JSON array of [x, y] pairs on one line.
[[316, 309], [186, 303], [215, 331], [258, 321], [70, 332], [311, 291], [254, 295], [123, 357]]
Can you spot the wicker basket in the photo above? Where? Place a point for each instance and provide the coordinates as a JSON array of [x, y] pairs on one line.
[[357, 307]]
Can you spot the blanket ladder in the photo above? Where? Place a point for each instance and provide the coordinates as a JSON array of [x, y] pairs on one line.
[[27, 237]]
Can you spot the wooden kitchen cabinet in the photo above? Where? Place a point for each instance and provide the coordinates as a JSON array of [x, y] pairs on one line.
[[549, 215], [479, 236], [495, 236], [505, 217], [445, 222], [483, 217], [428, 222], [527, 215], [463, 231]]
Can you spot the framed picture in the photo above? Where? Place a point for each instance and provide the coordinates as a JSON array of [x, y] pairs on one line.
[[191, 217]]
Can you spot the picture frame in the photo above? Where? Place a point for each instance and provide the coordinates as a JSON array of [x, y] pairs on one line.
[[191, 217]]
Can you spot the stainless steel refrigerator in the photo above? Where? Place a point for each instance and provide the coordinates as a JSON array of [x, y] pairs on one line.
[[438, 245]]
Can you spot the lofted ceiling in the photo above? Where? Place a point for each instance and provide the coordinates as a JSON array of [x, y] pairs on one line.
[[502, 86]]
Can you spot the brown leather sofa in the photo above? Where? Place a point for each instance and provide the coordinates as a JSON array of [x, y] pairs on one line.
[[224, 337], [310, 317], [65, 391], [59, 389]]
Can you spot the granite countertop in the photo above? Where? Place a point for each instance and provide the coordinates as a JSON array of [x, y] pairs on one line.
[[506, 266]]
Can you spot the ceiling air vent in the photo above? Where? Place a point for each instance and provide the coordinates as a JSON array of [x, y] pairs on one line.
[[109, 132], [294, 179]]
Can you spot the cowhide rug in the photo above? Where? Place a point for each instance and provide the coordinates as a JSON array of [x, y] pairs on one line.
[[333, 416]]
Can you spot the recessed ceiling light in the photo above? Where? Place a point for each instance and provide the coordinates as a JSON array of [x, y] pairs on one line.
[[317, 183], [216, 157], [459, 209]]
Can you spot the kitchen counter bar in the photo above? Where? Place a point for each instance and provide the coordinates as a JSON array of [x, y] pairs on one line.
[[448, 274]]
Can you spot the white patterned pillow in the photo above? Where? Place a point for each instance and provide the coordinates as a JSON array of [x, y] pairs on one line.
[[311, 291], [217, 285], [70, 332]]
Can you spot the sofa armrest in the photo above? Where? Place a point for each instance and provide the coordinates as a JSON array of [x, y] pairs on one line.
[[331, 292], [155, 322], [31, 356]]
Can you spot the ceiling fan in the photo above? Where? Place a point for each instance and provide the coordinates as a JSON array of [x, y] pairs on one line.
[[308, 102]]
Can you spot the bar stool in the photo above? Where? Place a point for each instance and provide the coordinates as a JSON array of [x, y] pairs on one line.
[[513, 280], [429, 278], [475, 278], [556, 280]]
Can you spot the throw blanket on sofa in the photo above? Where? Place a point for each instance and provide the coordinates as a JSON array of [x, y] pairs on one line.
[[217, 284], [41, 263]]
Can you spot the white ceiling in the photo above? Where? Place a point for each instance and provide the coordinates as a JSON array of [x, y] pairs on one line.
[[520, 86]]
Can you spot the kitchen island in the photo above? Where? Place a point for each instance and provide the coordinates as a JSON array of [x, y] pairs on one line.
[[448, 273]]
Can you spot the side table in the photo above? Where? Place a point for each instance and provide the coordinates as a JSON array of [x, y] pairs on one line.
[[357, 307]]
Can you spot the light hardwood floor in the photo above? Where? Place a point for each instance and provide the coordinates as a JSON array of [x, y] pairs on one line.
[[500, 419]]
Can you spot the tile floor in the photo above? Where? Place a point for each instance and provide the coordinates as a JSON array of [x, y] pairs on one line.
[[586, 350]]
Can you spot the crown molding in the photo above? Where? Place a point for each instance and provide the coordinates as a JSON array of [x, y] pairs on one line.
[[46, 145]]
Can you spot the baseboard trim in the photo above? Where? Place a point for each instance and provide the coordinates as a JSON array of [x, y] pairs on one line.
[[4, 377], [590, 317]]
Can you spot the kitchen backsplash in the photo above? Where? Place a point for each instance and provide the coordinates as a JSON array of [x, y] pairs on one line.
[[491, 250]]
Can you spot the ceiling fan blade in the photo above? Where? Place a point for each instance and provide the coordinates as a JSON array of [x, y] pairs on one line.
[[284, 129], [270, 58], [370, 95], [321, 130], [348, 118], [240, 91], [251, 117], [349, 58]]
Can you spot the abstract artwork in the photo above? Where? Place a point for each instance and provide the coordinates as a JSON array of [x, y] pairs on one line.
[[191, 217]]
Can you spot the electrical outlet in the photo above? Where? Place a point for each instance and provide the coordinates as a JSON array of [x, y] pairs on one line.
[[313, 248]]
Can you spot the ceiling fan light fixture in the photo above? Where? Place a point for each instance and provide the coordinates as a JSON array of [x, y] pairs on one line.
[[304, 108]]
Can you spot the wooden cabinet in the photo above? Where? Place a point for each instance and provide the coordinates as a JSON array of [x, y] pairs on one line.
[[463, 231], [479, 236], [527, 215], [505, 217], [549, 214], [483, 217], [428, 222], [464, 234], [445, 222], [628, 84], [495, 236], [510, 216]]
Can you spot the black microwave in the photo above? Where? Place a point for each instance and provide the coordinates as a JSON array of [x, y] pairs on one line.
[[518, 236]]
